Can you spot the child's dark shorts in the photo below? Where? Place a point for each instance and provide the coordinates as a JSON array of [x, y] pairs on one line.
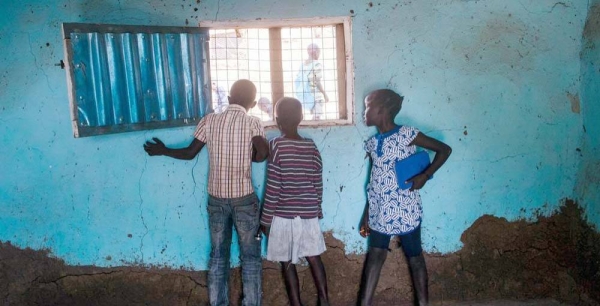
[[411, 242]]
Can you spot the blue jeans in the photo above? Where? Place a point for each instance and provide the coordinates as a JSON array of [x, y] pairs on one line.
[[244, 214]]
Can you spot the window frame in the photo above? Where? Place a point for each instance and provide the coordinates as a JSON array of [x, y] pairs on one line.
[[345, 61]]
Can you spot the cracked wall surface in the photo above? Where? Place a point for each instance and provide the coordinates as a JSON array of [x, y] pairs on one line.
[[493, 79], [555, 257]]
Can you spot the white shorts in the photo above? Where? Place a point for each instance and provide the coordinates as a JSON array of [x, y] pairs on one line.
[[292, 239]]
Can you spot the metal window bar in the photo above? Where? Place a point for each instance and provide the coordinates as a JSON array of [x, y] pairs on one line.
[[301, 75], [241, 54], [234, 51]]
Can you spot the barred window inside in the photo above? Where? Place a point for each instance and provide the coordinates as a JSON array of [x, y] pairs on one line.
[[305, 62]]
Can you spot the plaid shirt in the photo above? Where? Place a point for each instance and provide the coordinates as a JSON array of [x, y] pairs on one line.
[[228, 136]]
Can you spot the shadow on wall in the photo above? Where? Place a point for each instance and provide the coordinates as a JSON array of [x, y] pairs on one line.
[[555, 257]]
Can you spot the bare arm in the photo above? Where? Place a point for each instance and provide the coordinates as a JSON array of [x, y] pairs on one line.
[[318, 180], [442, 152], [158, 148], [317, 73], [320, 88], [272, 191], [260, 149]]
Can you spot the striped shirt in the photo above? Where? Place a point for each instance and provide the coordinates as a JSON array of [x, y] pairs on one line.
[[228, 136], [294, 180]]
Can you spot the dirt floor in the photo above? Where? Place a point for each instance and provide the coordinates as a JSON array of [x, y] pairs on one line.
[[554, 261]]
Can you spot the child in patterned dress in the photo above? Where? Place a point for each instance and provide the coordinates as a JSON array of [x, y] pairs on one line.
[[391, 210]]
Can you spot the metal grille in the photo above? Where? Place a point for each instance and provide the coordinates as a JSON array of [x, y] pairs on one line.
[[127, 78], [303, 74], [277, 61], [241, 54]]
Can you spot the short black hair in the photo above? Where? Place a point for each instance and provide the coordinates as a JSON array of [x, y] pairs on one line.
[[243, 92], [288, 111], [388, 99]]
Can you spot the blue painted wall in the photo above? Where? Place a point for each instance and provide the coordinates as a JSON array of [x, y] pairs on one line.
[[588, 185], [497, 80]]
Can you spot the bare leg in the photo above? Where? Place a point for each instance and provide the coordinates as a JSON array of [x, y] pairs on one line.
[[318, 272], [292, 285]]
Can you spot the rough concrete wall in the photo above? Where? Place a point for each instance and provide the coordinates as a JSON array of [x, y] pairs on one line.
[[500, 260], [497, 80], [588, 186]]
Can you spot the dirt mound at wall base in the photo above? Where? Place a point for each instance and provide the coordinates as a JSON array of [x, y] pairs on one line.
[[556, 257]]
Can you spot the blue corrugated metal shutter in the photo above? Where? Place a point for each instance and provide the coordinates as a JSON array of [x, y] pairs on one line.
[[125, 78]]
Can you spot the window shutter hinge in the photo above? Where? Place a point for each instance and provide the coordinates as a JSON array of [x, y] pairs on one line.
[[61, 64]]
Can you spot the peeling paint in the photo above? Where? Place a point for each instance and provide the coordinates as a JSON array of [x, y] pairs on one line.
[[554, 257], [502, 68]]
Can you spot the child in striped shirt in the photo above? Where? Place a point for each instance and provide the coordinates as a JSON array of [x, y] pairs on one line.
[[292, 208]]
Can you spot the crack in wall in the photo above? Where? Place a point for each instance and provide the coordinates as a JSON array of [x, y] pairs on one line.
[[35, 62], [323, 140], [141, 208], [218, 9], [126, 271], [557, 4], [55, 281], [507, 157], [342, 249], [544, 12], [187, 301], [496, 160], [194, 177], [88, 208], [337, 208], [389, 55]]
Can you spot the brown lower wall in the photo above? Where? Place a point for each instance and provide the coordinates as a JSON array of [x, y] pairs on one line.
[[556, 257]]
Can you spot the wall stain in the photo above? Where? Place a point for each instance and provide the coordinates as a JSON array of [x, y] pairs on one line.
[[505, 42], [575, 102], [591, 31]]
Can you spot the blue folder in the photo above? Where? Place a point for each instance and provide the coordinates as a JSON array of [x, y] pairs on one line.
[[411, 166]]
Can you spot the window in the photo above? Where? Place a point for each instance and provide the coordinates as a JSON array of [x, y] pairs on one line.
[[126, 78], [279, 57]]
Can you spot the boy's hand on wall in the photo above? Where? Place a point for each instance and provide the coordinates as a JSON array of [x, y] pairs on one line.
[[155, 148]]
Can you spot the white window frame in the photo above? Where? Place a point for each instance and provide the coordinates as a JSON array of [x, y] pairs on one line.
[[346, 21]]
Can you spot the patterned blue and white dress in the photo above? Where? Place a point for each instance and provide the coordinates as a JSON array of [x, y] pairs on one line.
[[392, 211]]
